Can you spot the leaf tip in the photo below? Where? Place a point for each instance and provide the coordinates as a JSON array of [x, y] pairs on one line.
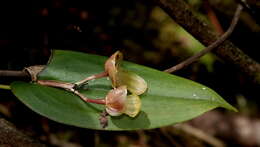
[[230, 107]]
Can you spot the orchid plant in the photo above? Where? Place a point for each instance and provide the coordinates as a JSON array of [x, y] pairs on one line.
[[118, 101], [169, 100]]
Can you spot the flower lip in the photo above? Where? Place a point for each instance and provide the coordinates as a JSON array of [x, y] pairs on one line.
[[112, 111]]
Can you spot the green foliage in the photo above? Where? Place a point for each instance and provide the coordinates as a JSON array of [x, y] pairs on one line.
[[169, 100]]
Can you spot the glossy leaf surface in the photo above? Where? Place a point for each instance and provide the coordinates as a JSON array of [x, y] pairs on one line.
[[169, 99]]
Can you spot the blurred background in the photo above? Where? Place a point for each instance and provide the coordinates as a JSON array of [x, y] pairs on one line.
[[29, 30]]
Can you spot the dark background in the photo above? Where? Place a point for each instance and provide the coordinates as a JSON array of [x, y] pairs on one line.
[[29, 30]]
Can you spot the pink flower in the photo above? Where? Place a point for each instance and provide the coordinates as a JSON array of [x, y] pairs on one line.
[[118, 102]]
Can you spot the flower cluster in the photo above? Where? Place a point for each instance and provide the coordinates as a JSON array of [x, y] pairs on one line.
[[122, 99], [117, 101]]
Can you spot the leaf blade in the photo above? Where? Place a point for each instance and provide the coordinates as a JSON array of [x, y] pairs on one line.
[[176, 99]]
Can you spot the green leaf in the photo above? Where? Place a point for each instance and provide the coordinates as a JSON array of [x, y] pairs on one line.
[[169, 99]]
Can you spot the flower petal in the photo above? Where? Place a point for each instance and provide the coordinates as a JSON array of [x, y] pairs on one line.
[[115, 100], [133, 105], [113, 112], [135, 84], [112, 65]]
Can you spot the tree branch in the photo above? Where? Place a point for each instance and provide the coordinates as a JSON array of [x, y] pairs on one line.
[[31, 72], [185, 17], [13, 73], [211, 46], [10, 136]]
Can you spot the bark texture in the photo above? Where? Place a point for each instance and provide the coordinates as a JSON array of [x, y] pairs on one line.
[[11, 137], [184, 16]]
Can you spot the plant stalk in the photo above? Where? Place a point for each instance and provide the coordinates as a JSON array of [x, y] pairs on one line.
[[58, 84], [96, 76], [89, 100], [70, 87], [7, 87]]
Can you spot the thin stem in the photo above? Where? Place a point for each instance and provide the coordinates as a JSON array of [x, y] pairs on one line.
[[211, 46], [96, 76], [89, 100], [70, 87], [58, 84], [7, 87], [13, 73]]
